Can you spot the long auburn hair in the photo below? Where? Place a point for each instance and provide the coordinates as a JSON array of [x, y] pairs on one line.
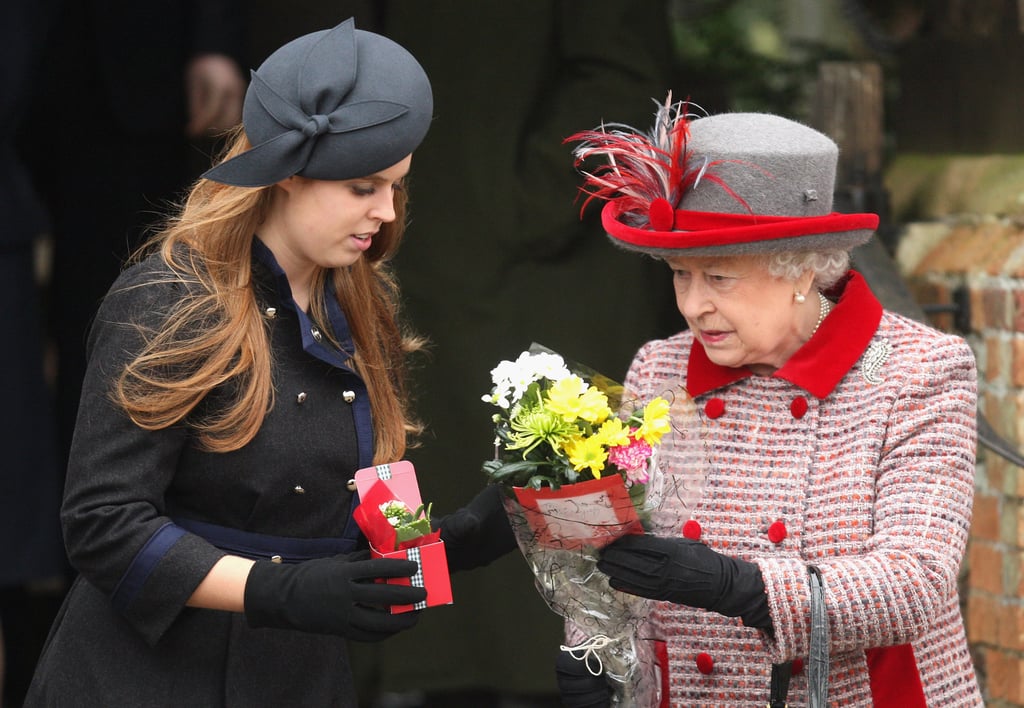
[[217, 336]]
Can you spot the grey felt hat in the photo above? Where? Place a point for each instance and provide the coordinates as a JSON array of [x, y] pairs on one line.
[[334, 104], [724, 184]]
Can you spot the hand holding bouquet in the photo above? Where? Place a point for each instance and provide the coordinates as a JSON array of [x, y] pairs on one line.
[[580, 462]]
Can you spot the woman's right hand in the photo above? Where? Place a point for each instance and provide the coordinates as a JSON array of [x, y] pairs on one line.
[[336, 595], [578, 687]]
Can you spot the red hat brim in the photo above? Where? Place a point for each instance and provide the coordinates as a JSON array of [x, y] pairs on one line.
[[707, 233]]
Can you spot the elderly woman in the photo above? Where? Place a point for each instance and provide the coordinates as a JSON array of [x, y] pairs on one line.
[[821, 556]]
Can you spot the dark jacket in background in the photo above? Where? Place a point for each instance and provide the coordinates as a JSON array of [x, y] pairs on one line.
[[105, 140], [29, 474]]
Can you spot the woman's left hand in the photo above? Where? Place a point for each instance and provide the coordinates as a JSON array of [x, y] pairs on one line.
[[688, 573], [478, 533]]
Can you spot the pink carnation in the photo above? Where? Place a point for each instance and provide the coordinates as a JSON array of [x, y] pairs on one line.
[[632, 458]]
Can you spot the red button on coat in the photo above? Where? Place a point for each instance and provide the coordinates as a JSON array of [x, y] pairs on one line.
[[798, 666], [777, 532], [714, 408], [705, 664], [798, 407], [692, 530]]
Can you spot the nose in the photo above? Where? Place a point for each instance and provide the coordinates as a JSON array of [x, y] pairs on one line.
[[383, 208], [693, 301]]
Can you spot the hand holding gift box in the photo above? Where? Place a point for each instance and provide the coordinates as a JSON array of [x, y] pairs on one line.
[[393, 518]]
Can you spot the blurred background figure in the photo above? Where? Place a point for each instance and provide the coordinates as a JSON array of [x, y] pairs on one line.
[[29, 472], [109, 111], [496, 257], [123, 89]]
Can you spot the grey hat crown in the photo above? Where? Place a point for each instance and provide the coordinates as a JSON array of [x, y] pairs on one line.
[[776, 166], [334, 104]]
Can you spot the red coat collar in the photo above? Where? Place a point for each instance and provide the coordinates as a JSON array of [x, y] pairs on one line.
[[819, 365]]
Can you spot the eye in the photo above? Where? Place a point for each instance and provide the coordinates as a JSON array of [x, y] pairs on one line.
[[363, 190]]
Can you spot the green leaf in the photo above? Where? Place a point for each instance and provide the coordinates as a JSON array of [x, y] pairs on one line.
[[538, 481], [509, 472]]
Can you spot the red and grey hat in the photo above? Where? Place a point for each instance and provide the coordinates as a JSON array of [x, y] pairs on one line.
[[719, 185]]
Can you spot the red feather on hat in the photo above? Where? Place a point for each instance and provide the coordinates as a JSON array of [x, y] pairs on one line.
[[646, 172]]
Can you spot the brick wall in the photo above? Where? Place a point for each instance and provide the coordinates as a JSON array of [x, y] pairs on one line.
[[974, 250]]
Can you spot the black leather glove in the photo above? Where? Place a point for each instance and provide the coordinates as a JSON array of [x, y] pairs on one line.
[[688, 573], [336, 595], [478, 533], [578, 687]]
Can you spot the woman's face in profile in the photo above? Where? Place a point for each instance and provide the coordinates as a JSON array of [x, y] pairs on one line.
[[740, 313], [331, 223]]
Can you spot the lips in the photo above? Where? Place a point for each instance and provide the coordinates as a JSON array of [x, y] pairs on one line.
[[363, 241], [713, 336]]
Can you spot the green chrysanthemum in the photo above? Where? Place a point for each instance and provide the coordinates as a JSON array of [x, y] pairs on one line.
[[536, 426]]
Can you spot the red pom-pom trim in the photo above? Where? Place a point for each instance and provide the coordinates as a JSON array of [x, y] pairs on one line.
[[661, 215], [777, 532], [692, 530], [798, 407], [798, 666], [705, 664], [714, 408]]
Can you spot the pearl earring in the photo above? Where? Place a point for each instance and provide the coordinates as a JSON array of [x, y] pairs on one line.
[[799, 298]]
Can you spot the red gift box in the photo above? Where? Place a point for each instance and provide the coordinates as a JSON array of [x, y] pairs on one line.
[[433, 574], [397, 481]]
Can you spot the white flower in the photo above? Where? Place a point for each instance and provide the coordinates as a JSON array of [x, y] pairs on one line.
[[393, 511], [512, 378]]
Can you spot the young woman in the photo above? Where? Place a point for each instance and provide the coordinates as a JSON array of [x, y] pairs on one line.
[[238, 375]]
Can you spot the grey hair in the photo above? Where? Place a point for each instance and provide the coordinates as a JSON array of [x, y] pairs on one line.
[[828, 266]]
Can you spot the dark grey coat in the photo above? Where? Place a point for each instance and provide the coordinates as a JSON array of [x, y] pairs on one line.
[[124, 636]]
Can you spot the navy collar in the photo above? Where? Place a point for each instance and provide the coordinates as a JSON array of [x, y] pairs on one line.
[[322, 349]]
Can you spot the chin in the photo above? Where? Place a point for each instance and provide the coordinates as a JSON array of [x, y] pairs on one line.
[[724, 359], [344, 261]]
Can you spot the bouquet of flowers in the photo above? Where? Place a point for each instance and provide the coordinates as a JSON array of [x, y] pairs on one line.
[[580, 464]]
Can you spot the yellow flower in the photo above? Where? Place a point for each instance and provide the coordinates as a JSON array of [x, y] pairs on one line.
[[594, 406], [587, 453], [613, 433], [572, 398], [656, 421]]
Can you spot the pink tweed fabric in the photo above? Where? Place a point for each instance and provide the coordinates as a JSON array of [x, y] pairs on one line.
[[872, 483]]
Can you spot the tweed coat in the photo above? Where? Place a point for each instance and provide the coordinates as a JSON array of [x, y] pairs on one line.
[[124, 636], [857, 456]]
